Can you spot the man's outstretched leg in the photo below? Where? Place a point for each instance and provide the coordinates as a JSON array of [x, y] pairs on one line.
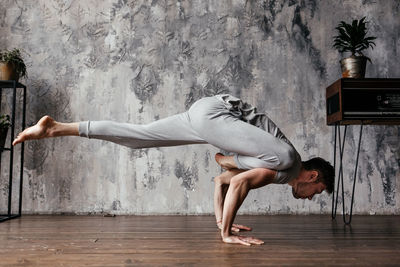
[[174, 130], [47, 127]]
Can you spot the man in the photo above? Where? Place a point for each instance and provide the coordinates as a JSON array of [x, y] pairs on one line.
[[258, 153]]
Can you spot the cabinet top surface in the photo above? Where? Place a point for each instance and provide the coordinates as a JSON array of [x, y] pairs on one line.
[[369, 79], [368, 82]]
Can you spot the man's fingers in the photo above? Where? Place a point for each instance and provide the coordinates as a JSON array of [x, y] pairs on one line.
[[251, 240], [235, 229], [235, 240], [242, 227], [256, 242], [243, 242]]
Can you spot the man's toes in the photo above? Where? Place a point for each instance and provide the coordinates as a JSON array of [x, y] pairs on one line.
[[19, 139], [218, 157], [16, 141]]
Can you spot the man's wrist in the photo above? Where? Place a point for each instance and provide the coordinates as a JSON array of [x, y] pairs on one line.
[[225, 234]]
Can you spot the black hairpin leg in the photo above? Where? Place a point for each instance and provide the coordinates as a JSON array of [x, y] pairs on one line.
[[354, 179], [12, 148], [21, 174], [334, 167], [340, 175]]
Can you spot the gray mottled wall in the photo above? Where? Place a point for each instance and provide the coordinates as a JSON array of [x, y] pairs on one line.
[[138, 61]]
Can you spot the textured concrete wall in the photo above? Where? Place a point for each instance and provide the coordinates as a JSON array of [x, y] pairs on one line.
[[137, 61]]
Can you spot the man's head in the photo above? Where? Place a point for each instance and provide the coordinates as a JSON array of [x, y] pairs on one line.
[[315, 176]]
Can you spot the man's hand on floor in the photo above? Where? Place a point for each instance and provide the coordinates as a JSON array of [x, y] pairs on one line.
[[243, 240], [236, 227]]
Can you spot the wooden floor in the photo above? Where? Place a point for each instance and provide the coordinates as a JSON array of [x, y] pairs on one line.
[[195, 241]]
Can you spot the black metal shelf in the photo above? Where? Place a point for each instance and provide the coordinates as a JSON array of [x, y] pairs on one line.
[[372, 115], [14, 85]]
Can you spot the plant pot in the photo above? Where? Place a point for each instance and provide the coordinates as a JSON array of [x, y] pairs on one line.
[[7, 72], [353, 67], [3, 137]]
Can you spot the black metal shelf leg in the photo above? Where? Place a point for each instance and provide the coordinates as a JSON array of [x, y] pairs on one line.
[[1, 95], [334, 167], [11, 147], [22, 152], [354, 180], [340, 176]]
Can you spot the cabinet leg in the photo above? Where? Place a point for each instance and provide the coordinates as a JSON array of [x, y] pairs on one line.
[[340, 174], [22, 153], [354, 180], [11, 147]]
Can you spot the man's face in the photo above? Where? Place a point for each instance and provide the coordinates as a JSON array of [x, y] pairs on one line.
[[307, 189]]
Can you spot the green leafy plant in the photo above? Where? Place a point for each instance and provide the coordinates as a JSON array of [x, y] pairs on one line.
[[14, 57], [4, 121], [352, 38]]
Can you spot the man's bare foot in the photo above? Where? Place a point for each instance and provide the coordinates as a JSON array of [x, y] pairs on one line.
[[42, 129], [226, 162]]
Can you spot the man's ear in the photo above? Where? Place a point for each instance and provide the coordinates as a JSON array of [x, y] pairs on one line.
[[313, 176]]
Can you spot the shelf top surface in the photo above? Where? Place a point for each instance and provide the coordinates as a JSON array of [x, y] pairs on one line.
[[375, 122], [369, 79], [10, 84], [366, 83], [396, 79]]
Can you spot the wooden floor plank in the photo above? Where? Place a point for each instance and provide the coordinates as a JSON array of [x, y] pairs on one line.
[[195, 241]]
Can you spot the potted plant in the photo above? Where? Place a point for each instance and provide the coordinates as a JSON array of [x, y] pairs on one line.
[[4, 125], [352, 38], [12, 66]]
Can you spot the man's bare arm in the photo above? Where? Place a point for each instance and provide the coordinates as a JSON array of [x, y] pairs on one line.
[[239, 187], [220, 190], [221, 186]]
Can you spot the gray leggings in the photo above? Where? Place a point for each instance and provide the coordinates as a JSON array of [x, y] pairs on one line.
[[207, 121]]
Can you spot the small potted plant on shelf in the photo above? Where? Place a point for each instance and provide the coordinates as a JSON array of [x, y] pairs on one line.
[[352, 38], [12, 66], [4, 125]]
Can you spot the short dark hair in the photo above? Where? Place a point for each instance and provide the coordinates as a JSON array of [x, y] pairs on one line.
[[326, 172]]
